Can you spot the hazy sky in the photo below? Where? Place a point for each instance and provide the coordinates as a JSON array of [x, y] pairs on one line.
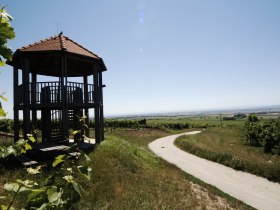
[[165, 55]]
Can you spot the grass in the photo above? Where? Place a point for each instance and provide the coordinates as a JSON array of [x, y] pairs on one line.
[[197, 121], [127, 175], [226, 146]]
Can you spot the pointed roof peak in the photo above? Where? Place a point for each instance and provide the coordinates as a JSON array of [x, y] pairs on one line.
[[59, 43]]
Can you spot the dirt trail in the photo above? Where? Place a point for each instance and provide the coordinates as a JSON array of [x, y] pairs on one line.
[[253, 190]]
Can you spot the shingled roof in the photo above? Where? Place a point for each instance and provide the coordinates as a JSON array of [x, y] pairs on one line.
[[59, 43], [45, 57]]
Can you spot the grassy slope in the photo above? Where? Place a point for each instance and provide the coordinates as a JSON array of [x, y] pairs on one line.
[[226, 146], [127, 175]]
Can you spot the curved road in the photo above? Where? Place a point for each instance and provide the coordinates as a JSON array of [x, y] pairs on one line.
[[253, 190]]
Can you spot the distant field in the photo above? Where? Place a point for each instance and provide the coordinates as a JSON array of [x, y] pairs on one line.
[[212, 120]]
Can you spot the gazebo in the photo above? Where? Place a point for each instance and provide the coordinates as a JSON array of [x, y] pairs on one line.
[[59, 102]]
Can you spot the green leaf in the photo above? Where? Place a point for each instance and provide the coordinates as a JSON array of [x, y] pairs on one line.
[[11, 187], [22, 151], [58, 160], [75, 132], [3, 207], [3, 98], [50, 180], [33, 195], [27, 146], [4, 15], [87, 157], [77, 187], [53, 195], [27, 183], [2, 113], [34, 170], [85, 171], [9, 151], [43, 206], [31, 138]]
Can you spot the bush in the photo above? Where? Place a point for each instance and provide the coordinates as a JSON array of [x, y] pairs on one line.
[[252, 118], [266, 135], [6, 125], [229, 118], [240, 116]]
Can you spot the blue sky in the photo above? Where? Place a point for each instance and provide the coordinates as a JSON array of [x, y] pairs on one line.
[[165, 55]]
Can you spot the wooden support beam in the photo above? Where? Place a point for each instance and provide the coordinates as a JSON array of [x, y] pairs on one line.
[[33, 100], [86, 113], [26, 99], [65, 123], [101, 106], [97, 107], [16, 109]]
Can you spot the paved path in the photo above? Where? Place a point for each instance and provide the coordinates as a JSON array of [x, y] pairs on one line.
[[252, 190]]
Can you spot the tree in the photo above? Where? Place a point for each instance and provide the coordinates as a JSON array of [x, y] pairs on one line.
[[6, 33]]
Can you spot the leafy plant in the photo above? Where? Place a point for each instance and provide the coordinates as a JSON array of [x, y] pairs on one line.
[[6, 33], [6, 125], [60, 190], [266, 135], [18, 148]]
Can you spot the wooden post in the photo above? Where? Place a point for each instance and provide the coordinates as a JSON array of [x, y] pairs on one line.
[[101, 106], [86, 104], [96, 105], [16, 109], [33, 95], [26, 99], [65, 125]]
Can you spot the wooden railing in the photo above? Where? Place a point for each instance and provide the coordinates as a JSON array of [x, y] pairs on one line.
[[52, 92]]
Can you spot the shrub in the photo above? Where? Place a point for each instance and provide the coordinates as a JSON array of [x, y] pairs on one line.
[[252, 118], [266, 135], [229, 118], [6, 125], [240, 116]]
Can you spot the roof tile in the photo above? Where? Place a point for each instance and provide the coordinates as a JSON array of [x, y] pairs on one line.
[[59, 43]]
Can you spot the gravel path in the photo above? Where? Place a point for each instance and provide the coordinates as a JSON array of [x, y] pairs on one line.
[[252, 190]]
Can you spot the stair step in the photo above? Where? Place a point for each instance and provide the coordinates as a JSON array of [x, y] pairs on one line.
[[54, 148], [26, 161]]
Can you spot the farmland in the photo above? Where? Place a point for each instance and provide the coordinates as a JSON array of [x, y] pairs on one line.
[[126, 174]]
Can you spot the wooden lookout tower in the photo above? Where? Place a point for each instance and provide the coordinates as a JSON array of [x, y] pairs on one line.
[[59, 102]]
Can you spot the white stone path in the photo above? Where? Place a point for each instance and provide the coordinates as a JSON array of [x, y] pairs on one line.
[[253, 190]]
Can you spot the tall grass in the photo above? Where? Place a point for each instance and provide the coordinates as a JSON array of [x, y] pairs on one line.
[[226, 146]]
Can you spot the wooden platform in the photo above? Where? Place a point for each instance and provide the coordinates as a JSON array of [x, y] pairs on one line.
[[86, 146], [48, 151]]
